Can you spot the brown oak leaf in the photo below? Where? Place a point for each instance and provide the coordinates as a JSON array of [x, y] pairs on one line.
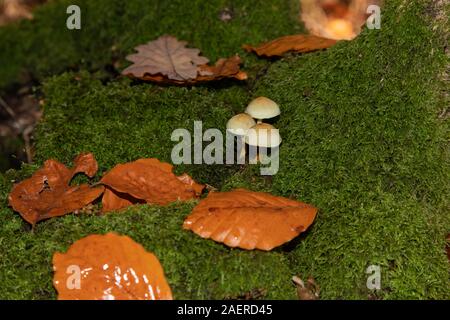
[[168, 61], [166, 56], [300, 43], [48, 193], [109, 267], [249, 220], [149, 180]]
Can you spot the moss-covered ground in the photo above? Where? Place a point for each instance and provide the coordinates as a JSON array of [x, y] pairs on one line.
[[362, 141]]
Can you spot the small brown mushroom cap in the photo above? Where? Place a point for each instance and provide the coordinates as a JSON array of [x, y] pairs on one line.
[[263, 135], [239, 124], [263, 108]]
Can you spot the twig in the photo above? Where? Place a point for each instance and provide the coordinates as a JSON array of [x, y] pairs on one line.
[[26, 137], [8, 109]]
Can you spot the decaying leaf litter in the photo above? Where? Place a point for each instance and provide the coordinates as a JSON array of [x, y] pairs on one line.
[[240, 218], [48, 192]]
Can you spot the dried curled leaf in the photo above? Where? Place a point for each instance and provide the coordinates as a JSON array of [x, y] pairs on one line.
[[300, 43], [249, 220], [168, 61], [308, 291], [149, 180], [335, 19], [109, 267], [224, 68], [48, 193]]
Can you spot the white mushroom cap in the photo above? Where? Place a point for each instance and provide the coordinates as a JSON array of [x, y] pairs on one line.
[[263, 108], [240, 124], [263, 135]]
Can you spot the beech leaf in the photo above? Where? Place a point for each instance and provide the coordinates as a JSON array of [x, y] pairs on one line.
[[48, 193], [300, 43], [249, 220], [224, 68], [116, 201], [109, 267], [149, 180]]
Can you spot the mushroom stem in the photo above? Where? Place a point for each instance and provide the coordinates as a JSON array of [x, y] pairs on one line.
[[253, 154], [241, 152], [262, 155], [254, 159]]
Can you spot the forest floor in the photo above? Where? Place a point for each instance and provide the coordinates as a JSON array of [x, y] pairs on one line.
[[365, 127]]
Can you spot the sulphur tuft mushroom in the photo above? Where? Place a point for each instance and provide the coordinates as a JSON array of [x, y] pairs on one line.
[[262, 135], [239, 126], [263, 108]]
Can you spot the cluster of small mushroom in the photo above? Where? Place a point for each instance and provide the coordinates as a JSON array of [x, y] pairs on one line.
[[256, 133]]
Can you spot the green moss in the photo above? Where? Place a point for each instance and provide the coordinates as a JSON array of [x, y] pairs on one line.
[[112, 28], [362, 141]]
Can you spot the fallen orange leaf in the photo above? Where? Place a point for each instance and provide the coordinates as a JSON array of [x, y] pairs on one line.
[[249, 220], [115, 201], [48, 193], [191, 184], [109, 267], [147, 179], [224, 68], [301, 43]]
